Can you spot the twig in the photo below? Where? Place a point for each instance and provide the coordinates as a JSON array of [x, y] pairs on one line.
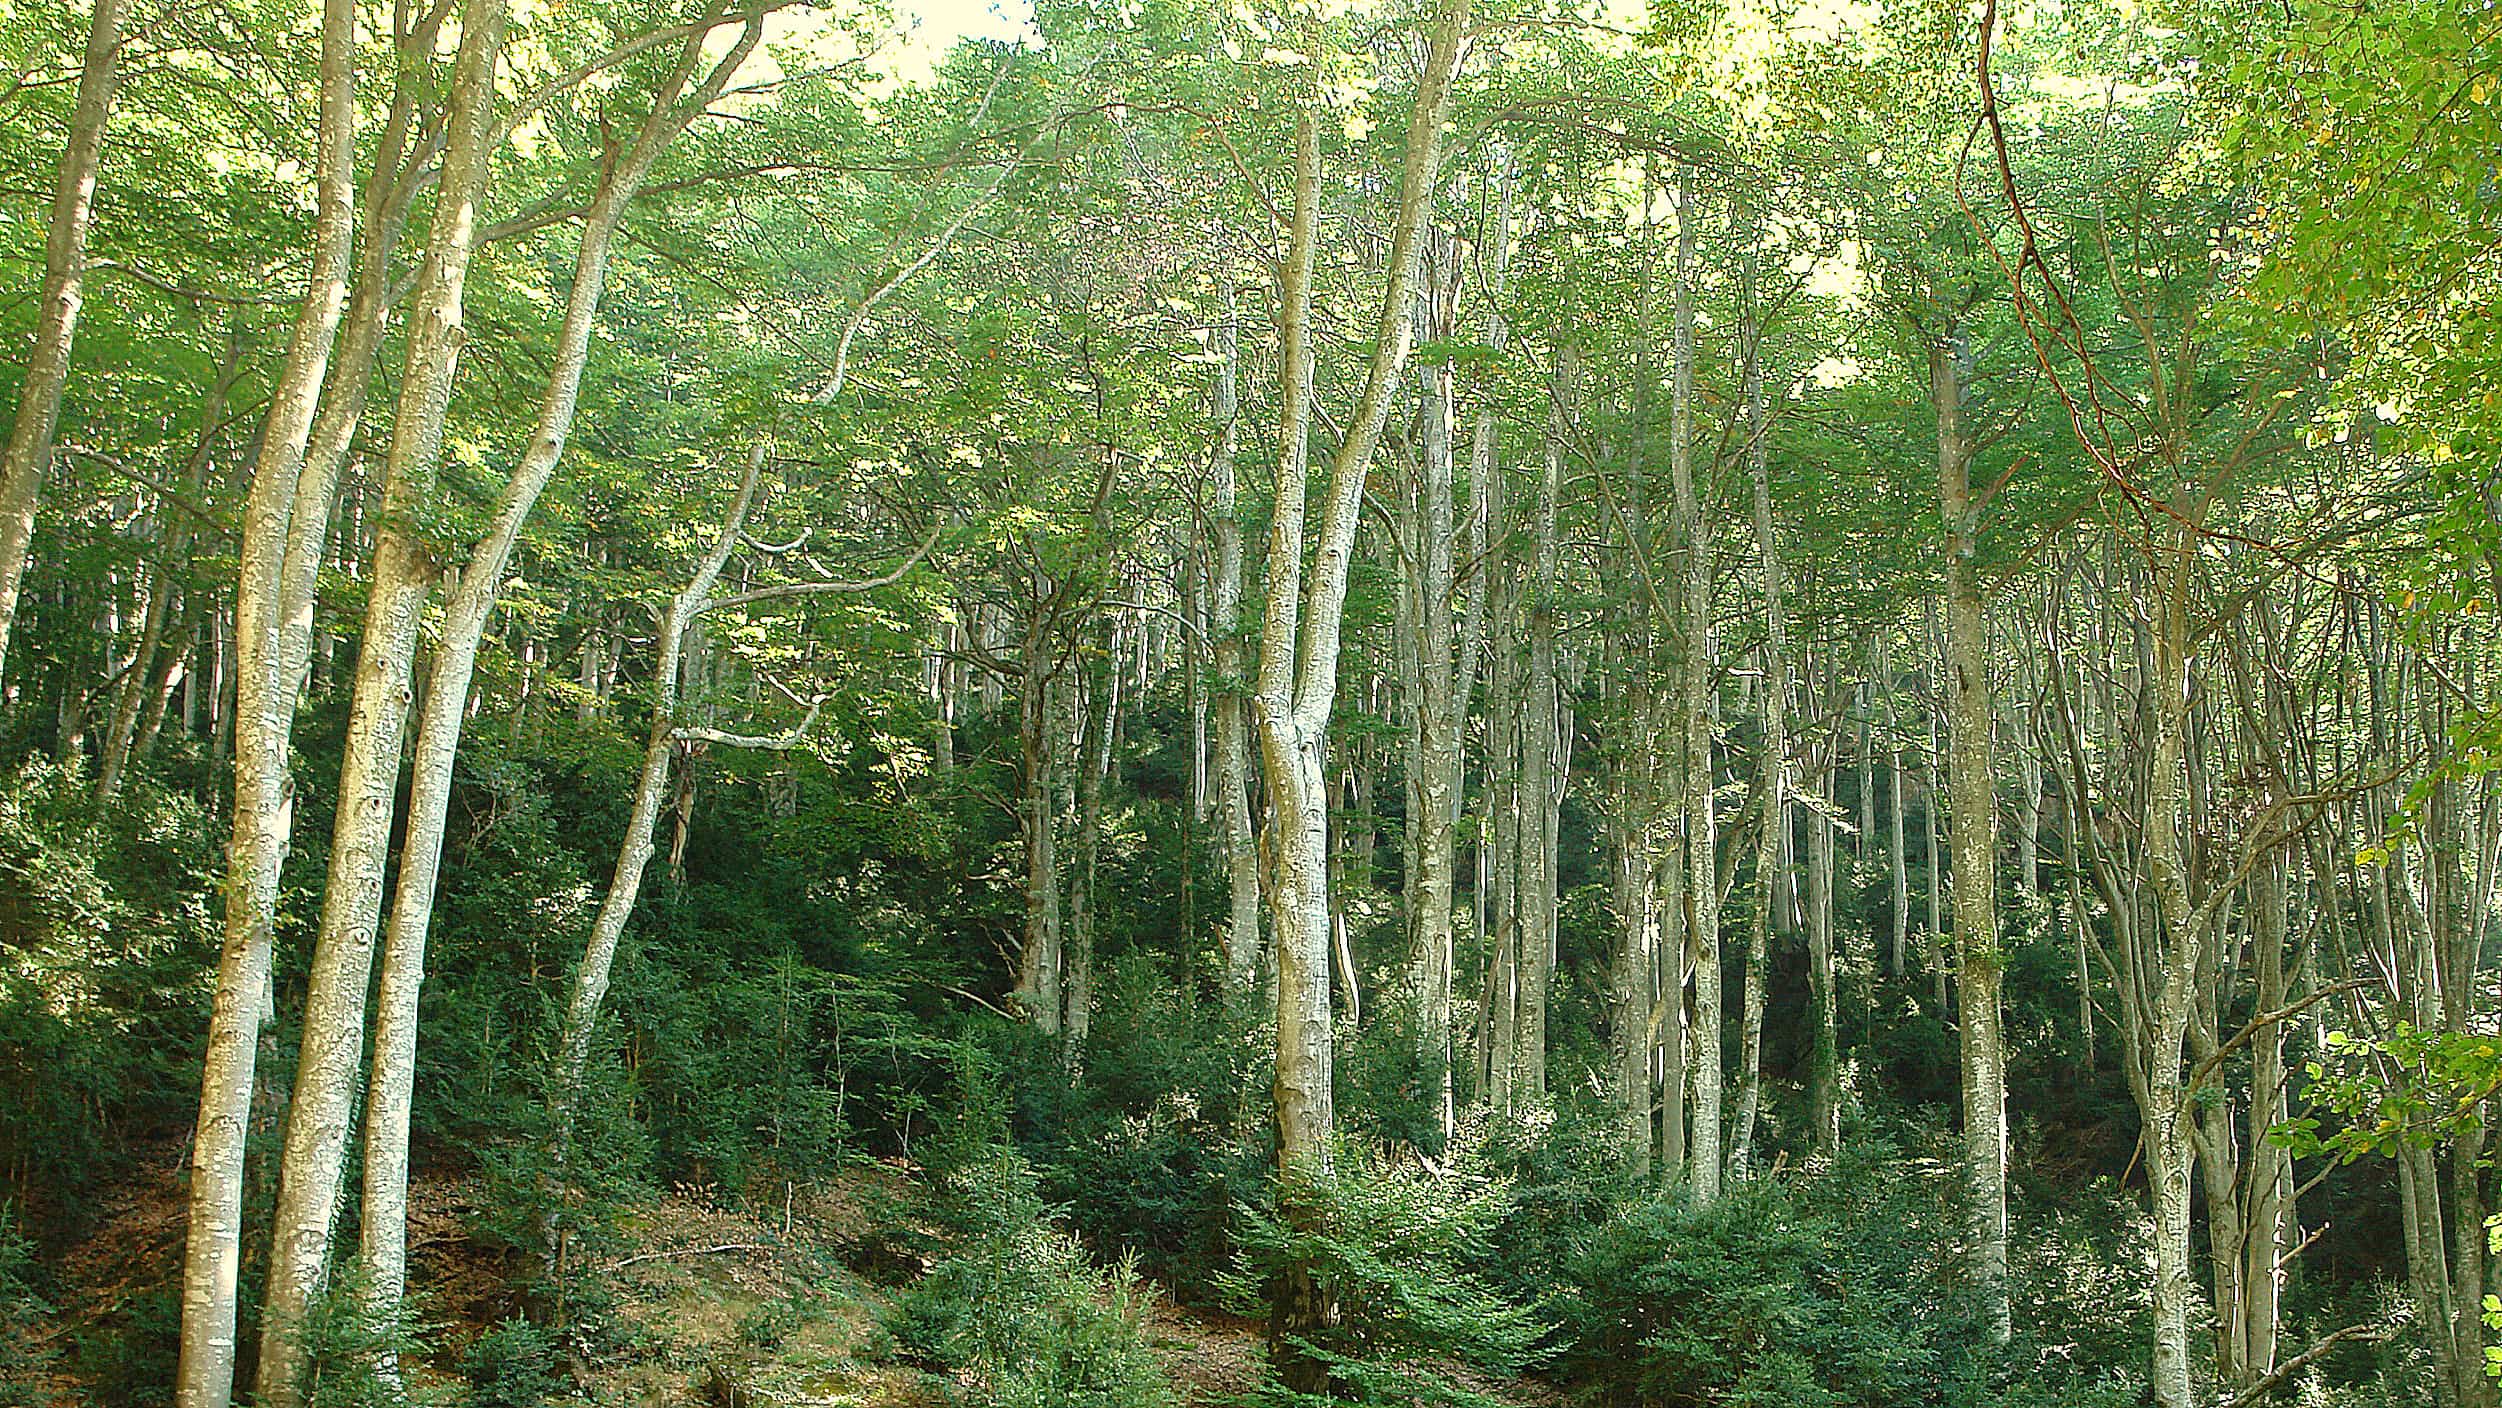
[[677, 1252]]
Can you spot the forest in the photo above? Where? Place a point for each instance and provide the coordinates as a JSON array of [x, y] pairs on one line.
[[1171, 703]]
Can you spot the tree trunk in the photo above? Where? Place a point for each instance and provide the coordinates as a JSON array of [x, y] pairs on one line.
[[1772, 781], [383, 1251], [28, 452], [1540, 788], [634, 851], [1038, 992], [1233, 795], [1298, 667], [1438, 721], [1094, 761], [264, 807], [1972, 806], [2167, 1113], [1702, 885]]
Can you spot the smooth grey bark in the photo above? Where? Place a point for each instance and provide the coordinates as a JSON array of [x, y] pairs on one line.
[[1038, 995], [1435, 816], [1094, 760], [382, 1249], [1772, 782], [1298, 663], [1540, 785], [1897, 856], [589, 988], [1233, 758], [28, 452], [263, 806], [1972, 806], [1699, 832]]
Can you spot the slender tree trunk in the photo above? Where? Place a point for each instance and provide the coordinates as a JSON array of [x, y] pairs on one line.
[[1972, 806], [634, 851], [402, 578], [1824, 1078], [383, 1249], [263, 807], [2167, 1113], [1438, 721], [1233, 763], [28, 452], [1772, 780], [1298, 669], [1702, 885], [1539, 786], [1038, 992], [1094, 760], [1898, 855]]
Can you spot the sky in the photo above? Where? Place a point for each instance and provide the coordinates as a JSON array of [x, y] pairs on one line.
[[934, 26]]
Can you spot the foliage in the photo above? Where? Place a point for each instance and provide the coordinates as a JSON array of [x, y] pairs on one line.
[[515, 1364], [23, 1357], [1397, 1245], [1019, 1306], [104, 935]]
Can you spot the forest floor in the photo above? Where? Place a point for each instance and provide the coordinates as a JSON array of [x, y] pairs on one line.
[[713, 1305]]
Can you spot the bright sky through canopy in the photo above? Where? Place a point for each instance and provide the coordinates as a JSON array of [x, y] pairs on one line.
[[932, 27]]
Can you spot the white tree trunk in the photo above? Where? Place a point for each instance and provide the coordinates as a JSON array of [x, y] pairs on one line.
[[263, 815], [1702, 883], [1298, 668], [382, 1250]]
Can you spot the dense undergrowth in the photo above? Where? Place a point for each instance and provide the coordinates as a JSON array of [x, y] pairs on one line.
[[800, 1006]]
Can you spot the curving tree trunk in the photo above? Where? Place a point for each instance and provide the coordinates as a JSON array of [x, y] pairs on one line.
[[28, 452]]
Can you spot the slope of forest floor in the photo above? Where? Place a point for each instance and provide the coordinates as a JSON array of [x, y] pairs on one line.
[[703, 1303]]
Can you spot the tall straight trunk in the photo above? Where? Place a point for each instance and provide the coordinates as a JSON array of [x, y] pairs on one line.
[[1972, 806], [2268, 1183], [263, 805], [401, 579], [1505, 801], [1631, 653], [28, 452], [1038, 963], [1933, 943], [1485, 499], [1772, 781], [1897, 855], [383, 1248], [1436, 819], [1298, 667], [1233, 761], [1824, 1077], [1094, 761], [1540, 788], [2167, 1112], [1672, 962], [1702, 884]]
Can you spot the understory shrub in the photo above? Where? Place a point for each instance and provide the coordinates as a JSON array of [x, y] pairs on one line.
[[1019, 1309], [1398, 1243]]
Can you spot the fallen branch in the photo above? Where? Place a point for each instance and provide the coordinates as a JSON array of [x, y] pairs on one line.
[[675, 1253]]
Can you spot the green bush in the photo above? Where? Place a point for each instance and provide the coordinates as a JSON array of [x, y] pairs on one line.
[[514, 1365], [1397, 1244], [22, 1358], [1019, 1309]]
